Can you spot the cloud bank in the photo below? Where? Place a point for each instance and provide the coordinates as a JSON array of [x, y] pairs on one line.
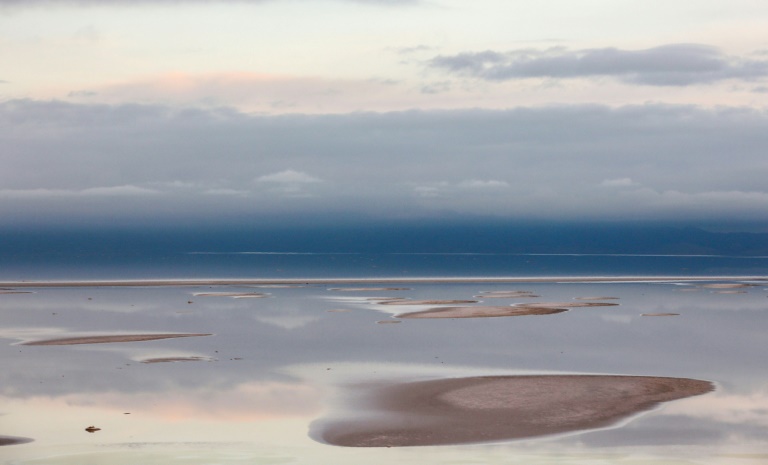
[[666, 65], [72, 162]]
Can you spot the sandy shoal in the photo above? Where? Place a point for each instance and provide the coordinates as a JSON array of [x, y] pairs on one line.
[[368, 289], [236, 295], [108, 339], [425, 302], [727, 286], [480, 312], [498, 408], [11, 440], [175, 359], [565, 304]]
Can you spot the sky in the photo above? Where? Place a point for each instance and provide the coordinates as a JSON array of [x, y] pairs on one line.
[[173, 111]]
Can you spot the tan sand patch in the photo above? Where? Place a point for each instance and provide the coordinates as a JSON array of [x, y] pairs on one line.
[[427, 302], [109, 339], [236, 295], [727, 285], [595, 298], [566, 304], [505, 292], [499, 408], [368, 289], [176, 359], [11, 440], [480, 312], [509, 295]]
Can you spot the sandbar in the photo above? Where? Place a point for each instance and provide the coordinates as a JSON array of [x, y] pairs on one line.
[[481, 312], [11, 440], [108, 339], [499, 408], [368, 289], [659, 314], [506, 295], [596, 298], [236, 295], [176, 359], [727, 285], [426, 302], [565, 304]]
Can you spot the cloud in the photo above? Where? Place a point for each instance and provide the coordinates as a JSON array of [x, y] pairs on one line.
[[619, 182], [557, 162], [23, 3], [288, 177], [226, 192], [666, 65], [127, 190], [252, 91], [480, 184]]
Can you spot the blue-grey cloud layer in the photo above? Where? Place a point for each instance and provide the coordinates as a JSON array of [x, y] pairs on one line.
[[667, 65], [63, 160]]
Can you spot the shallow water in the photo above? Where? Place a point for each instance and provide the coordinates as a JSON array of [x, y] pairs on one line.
[[275, 366]]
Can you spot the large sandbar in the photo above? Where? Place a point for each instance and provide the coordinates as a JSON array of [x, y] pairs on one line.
[[499, 408]]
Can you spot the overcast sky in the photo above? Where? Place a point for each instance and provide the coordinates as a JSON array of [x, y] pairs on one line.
[[565, 109]]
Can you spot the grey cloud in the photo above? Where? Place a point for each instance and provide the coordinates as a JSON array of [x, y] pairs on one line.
[[580, 161], [27, 3], [667, 65]]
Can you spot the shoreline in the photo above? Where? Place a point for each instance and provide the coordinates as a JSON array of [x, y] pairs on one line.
[[382, 280]]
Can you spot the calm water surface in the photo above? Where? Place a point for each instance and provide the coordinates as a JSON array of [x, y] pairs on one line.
[[275, 365]]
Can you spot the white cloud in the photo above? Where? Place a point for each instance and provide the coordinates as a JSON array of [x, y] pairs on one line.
[[289, 177], [126, 190], [619, 182], [480, 184], [118, 190], [226, 192]]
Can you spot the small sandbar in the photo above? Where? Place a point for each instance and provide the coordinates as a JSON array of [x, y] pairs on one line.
[[660, 314], [387, 322], [278, 286], [176, 359], [382, 299], [109, 339], [566, 304], [236, 295], [480, 312], [500, 408], [368, 289], [595, 298], [10, 291], [339, 310], [730, 292], [506, 295], [426, 302], [727, 285], [11, 440]]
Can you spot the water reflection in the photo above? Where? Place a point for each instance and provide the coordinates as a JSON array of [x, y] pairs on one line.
[[273, 365]]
